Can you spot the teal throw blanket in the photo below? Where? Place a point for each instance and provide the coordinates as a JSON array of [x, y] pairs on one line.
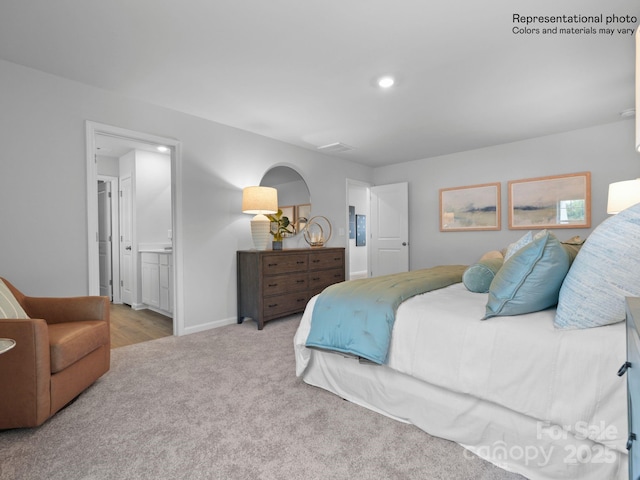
[[356, 317]]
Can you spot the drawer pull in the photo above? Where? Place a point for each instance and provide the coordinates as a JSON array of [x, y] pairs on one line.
[[299, 281], [273, 285], [272, 264], [272, 305], [300, 262], [623, 369], [315, 279], [301, 300], [315, 261]]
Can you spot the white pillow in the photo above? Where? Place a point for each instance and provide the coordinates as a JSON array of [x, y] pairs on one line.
[[605, 271], [9, 306], [526, 239]]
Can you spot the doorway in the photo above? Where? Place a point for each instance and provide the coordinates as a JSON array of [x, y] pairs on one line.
[[378, 225], [121, 141], [358, 202]]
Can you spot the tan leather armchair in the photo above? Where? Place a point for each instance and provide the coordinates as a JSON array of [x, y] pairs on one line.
[[60, 350]]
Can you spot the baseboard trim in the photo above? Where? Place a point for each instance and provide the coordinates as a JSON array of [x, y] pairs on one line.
[[210, 325]]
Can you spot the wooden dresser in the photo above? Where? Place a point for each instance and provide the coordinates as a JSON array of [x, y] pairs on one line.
[[277, 283]]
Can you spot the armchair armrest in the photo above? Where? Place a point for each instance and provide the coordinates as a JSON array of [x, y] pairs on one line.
[[67, 309], [25, 371]]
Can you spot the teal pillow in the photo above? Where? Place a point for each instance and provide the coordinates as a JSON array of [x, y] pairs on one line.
[[530, 280], [478, 277], [605, 271]]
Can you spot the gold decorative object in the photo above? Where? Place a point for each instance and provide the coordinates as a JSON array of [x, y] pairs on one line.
[[317, 232]]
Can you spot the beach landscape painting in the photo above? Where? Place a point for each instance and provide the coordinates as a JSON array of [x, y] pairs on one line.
[[561, 201], [475, 207]]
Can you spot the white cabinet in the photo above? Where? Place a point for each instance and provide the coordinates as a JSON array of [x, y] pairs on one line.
[[157, 291]]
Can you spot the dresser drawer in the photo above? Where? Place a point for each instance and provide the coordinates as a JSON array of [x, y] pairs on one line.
[[321, 279], [326, 260], [281, 284], [277, 264], [283, 304], [273, 284]]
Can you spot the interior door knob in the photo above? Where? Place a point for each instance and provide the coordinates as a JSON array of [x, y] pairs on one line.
[[128, 248], [404, 244]]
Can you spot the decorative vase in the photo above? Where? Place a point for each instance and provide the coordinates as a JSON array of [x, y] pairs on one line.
[[276, 245]]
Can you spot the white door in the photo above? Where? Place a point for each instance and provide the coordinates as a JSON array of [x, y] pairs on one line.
[[389, 229], [126, 240], [104, 237]]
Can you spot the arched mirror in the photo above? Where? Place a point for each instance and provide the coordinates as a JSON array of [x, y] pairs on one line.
[[294, 198]]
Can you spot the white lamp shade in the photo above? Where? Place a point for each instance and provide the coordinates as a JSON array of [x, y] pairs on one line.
[[259, 200], [623, 195]]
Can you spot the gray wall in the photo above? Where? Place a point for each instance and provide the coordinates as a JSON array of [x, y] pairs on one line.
[[152, 197], [43, 200], [43, 188], [606, 151]]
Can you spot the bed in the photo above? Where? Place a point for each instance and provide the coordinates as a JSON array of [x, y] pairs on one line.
[[534, 392]]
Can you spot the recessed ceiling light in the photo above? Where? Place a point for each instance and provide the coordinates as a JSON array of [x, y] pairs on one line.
[[386, 82], [162, 148]]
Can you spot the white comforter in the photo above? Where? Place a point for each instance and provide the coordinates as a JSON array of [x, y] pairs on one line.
[[565, 378]]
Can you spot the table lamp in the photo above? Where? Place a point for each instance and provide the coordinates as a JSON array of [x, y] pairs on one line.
[[623, 195], [260, 201]]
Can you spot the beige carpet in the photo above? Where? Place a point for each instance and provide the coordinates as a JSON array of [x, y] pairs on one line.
[[224, 404]]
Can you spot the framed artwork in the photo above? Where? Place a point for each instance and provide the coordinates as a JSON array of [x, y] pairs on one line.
[[352, 221], [561, 201], [302, 215], [361, 230], [476, 207]]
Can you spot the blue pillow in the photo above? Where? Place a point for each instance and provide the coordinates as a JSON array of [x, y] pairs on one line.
[[478, 277], [605, 271], [530, 280]]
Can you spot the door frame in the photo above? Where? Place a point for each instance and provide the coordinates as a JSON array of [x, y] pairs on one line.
[[91, 130]]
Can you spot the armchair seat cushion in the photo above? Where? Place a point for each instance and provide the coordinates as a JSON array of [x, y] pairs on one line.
[[71, 341]]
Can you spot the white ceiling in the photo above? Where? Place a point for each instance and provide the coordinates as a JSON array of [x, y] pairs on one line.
[[303, 71]]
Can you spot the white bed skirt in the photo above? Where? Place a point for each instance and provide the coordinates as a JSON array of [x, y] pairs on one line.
[[513, 441]]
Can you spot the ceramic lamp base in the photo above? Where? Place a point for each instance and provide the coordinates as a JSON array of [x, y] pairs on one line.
[[260, 232]]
